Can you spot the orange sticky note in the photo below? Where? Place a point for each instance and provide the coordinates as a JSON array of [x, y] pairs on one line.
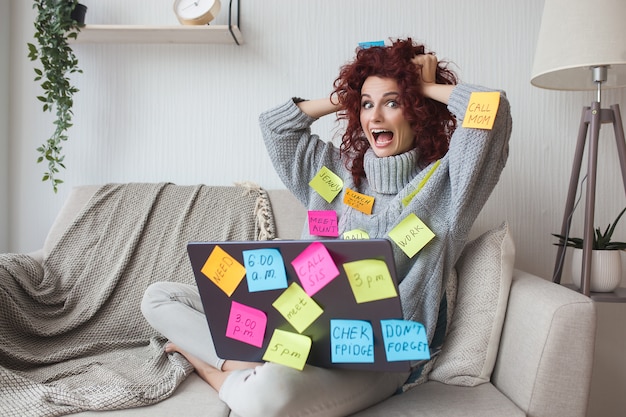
[[223, 270], [481, 110], [370, 280], [411, 235], [327, 184], [361, 202]]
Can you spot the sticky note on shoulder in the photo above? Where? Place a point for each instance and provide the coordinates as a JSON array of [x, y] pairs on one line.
[[327, 184], [224, 270], [481, 110]]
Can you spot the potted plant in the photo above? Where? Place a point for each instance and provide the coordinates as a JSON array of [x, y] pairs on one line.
[[57, 21], [606, 264]]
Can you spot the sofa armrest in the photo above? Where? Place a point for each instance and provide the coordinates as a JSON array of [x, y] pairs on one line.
[[546, 352]]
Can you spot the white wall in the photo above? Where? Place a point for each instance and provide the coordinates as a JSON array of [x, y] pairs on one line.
[[188, 114], [5, 20]]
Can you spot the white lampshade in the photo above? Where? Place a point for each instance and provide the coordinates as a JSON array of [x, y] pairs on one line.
[[576, 35]]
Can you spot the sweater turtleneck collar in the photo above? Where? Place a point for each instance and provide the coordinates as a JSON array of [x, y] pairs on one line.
[[390, 174]]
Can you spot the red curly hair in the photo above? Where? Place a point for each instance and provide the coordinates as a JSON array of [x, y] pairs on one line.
[[430, 120]]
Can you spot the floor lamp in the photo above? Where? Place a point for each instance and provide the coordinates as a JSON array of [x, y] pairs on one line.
[[582, 46]]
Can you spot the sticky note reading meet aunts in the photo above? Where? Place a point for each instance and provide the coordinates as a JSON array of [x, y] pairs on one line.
[[351, 341], [323, 223], [246, 324], [223, 270], [315, 267], [361, 202], [355, 234], [481, 110], [265, 269], [404, 340], [289, 349], [370, 280], [411, 235], [297, 307], [327, 184]]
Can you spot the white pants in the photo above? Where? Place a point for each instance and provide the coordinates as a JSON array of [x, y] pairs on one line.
[[175, 311]]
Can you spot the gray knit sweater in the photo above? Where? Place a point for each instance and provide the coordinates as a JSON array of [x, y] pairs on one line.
[[448, 203]]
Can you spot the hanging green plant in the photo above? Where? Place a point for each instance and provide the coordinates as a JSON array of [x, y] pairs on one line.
[[54, 26]]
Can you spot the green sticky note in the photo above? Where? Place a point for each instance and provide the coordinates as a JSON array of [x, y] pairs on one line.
[[327, 184], [289, 349], [297, 307], [411, 235], [370, 280], [355, 234]]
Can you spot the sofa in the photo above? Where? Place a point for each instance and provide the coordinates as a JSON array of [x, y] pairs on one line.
[[524, 350]]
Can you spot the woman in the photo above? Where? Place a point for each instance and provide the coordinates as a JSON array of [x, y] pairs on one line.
[[405, 147]]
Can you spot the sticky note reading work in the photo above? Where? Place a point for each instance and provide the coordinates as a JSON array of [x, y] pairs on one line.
[[361, 202], [327, 184], [246, 324], [289, 349], [224, 270], [323, 223], [481, 110], [315, 267], [370, 280], [411, 235], [351, 341], [265, 269], [297, 307], [404, 340]]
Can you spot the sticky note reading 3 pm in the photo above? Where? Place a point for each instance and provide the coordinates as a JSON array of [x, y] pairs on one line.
[[327, 184], [370, 280], [223, 270]]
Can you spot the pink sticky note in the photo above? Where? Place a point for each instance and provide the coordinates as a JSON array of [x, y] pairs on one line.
[[315, 268], [246, 324], [323, 223]]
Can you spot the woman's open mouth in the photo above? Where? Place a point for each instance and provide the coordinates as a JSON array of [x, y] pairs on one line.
[[382, 137]]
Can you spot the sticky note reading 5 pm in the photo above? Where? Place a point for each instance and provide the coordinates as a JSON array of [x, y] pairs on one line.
[[411, 235], [370, 280], [481, 110], [351, 341], [265, 269], [327, 184], [404, 340], [289, 349], [299, 309], [223, 270], [323, 223], [246, 324], [315, 267]]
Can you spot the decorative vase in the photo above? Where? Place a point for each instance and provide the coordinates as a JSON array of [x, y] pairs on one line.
[[79, 13], [606, 270]]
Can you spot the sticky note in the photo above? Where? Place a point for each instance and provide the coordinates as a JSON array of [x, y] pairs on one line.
[[327, 184], [356, 234], [361, 202], [411, 235], [289, 349], [315, 267], [246, 324], [297, 307], [323, 223], [369, 44], [406, 200], [224, 270], [404, 340], [265, 269], [481, 110], [351, 341], [370, 280]]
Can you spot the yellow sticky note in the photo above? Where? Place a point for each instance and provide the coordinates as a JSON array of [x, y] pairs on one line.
[[411, 235], [355, 234], [223, 270], [289, 349], [327, 184], [406, 200], [481, 110], [370, 280], [297, 307], [361, 202]]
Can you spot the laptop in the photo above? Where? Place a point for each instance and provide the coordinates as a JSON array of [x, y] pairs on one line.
[[327, 303]]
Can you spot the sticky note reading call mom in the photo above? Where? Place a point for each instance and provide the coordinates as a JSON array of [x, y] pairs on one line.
[[481, 110]]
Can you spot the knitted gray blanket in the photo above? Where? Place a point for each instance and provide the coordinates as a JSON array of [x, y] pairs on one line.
[[72, 337]]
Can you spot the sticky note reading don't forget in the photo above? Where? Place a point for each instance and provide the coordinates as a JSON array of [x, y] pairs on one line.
[[404, 340], [411, 235], [246, 324], [315, 267], [265, 269], [481, 110], [323, 223], [297, 307], [351, 341], [370, 280], [223, 270], [327, 184], [289, 349]]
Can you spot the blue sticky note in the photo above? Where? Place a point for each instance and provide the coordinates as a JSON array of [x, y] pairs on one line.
[[351, 341], [404, 340], [366, 45], [265, 269]]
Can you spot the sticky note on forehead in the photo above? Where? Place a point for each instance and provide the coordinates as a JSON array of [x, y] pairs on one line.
[[223, 270], [481, 110], [411, 235], [327, 184]]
